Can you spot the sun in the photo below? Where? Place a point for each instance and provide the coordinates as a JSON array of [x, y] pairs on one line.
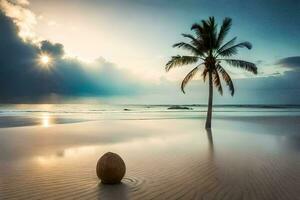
[[45, 59]]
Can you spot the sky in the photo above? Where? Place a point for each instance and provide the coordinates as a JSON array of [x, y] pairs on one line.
[[116, 50]]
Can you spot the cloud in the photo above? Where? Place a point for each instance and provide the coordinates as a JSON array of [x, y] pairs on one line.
[[24, 18], [290, 62], [24, 79], [23, 2], [56, 50]]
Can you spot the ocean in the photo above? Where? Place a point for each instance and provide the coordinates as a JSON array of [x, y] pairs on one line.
[[46, 114]]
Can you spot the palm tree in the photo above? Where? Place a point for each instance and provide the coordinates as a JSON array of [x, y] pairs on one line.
[[208, 47]]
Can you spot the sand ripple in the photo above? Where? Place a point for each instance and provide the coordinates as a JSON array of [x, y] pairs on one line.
[[185, 165]]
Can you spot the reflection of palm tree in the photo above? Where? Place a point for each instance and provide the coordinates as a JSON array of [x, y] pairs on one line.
[[208, 46]]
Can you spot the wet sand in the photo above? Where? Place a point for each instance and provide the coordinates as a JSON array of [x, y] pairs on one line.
[[241, 158]]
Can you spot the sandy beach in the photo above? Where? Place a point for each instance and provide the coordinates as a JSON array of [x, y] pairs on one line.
[[241, 158]]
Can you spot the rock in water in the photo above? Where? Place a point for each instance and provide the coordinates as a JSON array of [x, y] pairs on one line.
[[179, 108], [110, 168]]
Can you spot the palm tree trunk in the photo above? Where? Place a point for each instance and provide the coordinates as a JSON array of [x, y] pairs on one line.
[[210, 100]]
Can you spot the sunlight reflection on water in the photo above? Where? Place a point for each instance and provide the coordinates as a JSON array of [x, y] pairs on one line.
[[45, 120]]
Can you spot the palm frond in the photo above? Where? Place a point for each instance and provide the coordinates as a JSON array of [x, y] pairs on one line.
[[226, 25], [196, 26], [208, 32], [227, 45], [217, 81], [204, 74], [197, 43], [188, 47], [251, 67], [212, 26], [226, 78], [233, 50], [198, 29], [188, 77], [194, 40], [177, 61], [203, 34]]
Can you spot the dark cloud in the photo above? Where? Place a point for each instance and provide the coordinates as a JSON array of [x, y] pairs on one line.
[[56, 50], [23, 79], [290, 62], [273, 89]]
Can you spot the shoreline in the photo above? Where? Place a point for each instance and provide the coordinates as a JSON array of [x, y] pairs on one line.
[[23, 121]]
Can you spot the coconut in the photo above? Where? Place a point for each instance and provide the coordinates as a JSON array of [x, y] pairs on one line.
[[110, 168]]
